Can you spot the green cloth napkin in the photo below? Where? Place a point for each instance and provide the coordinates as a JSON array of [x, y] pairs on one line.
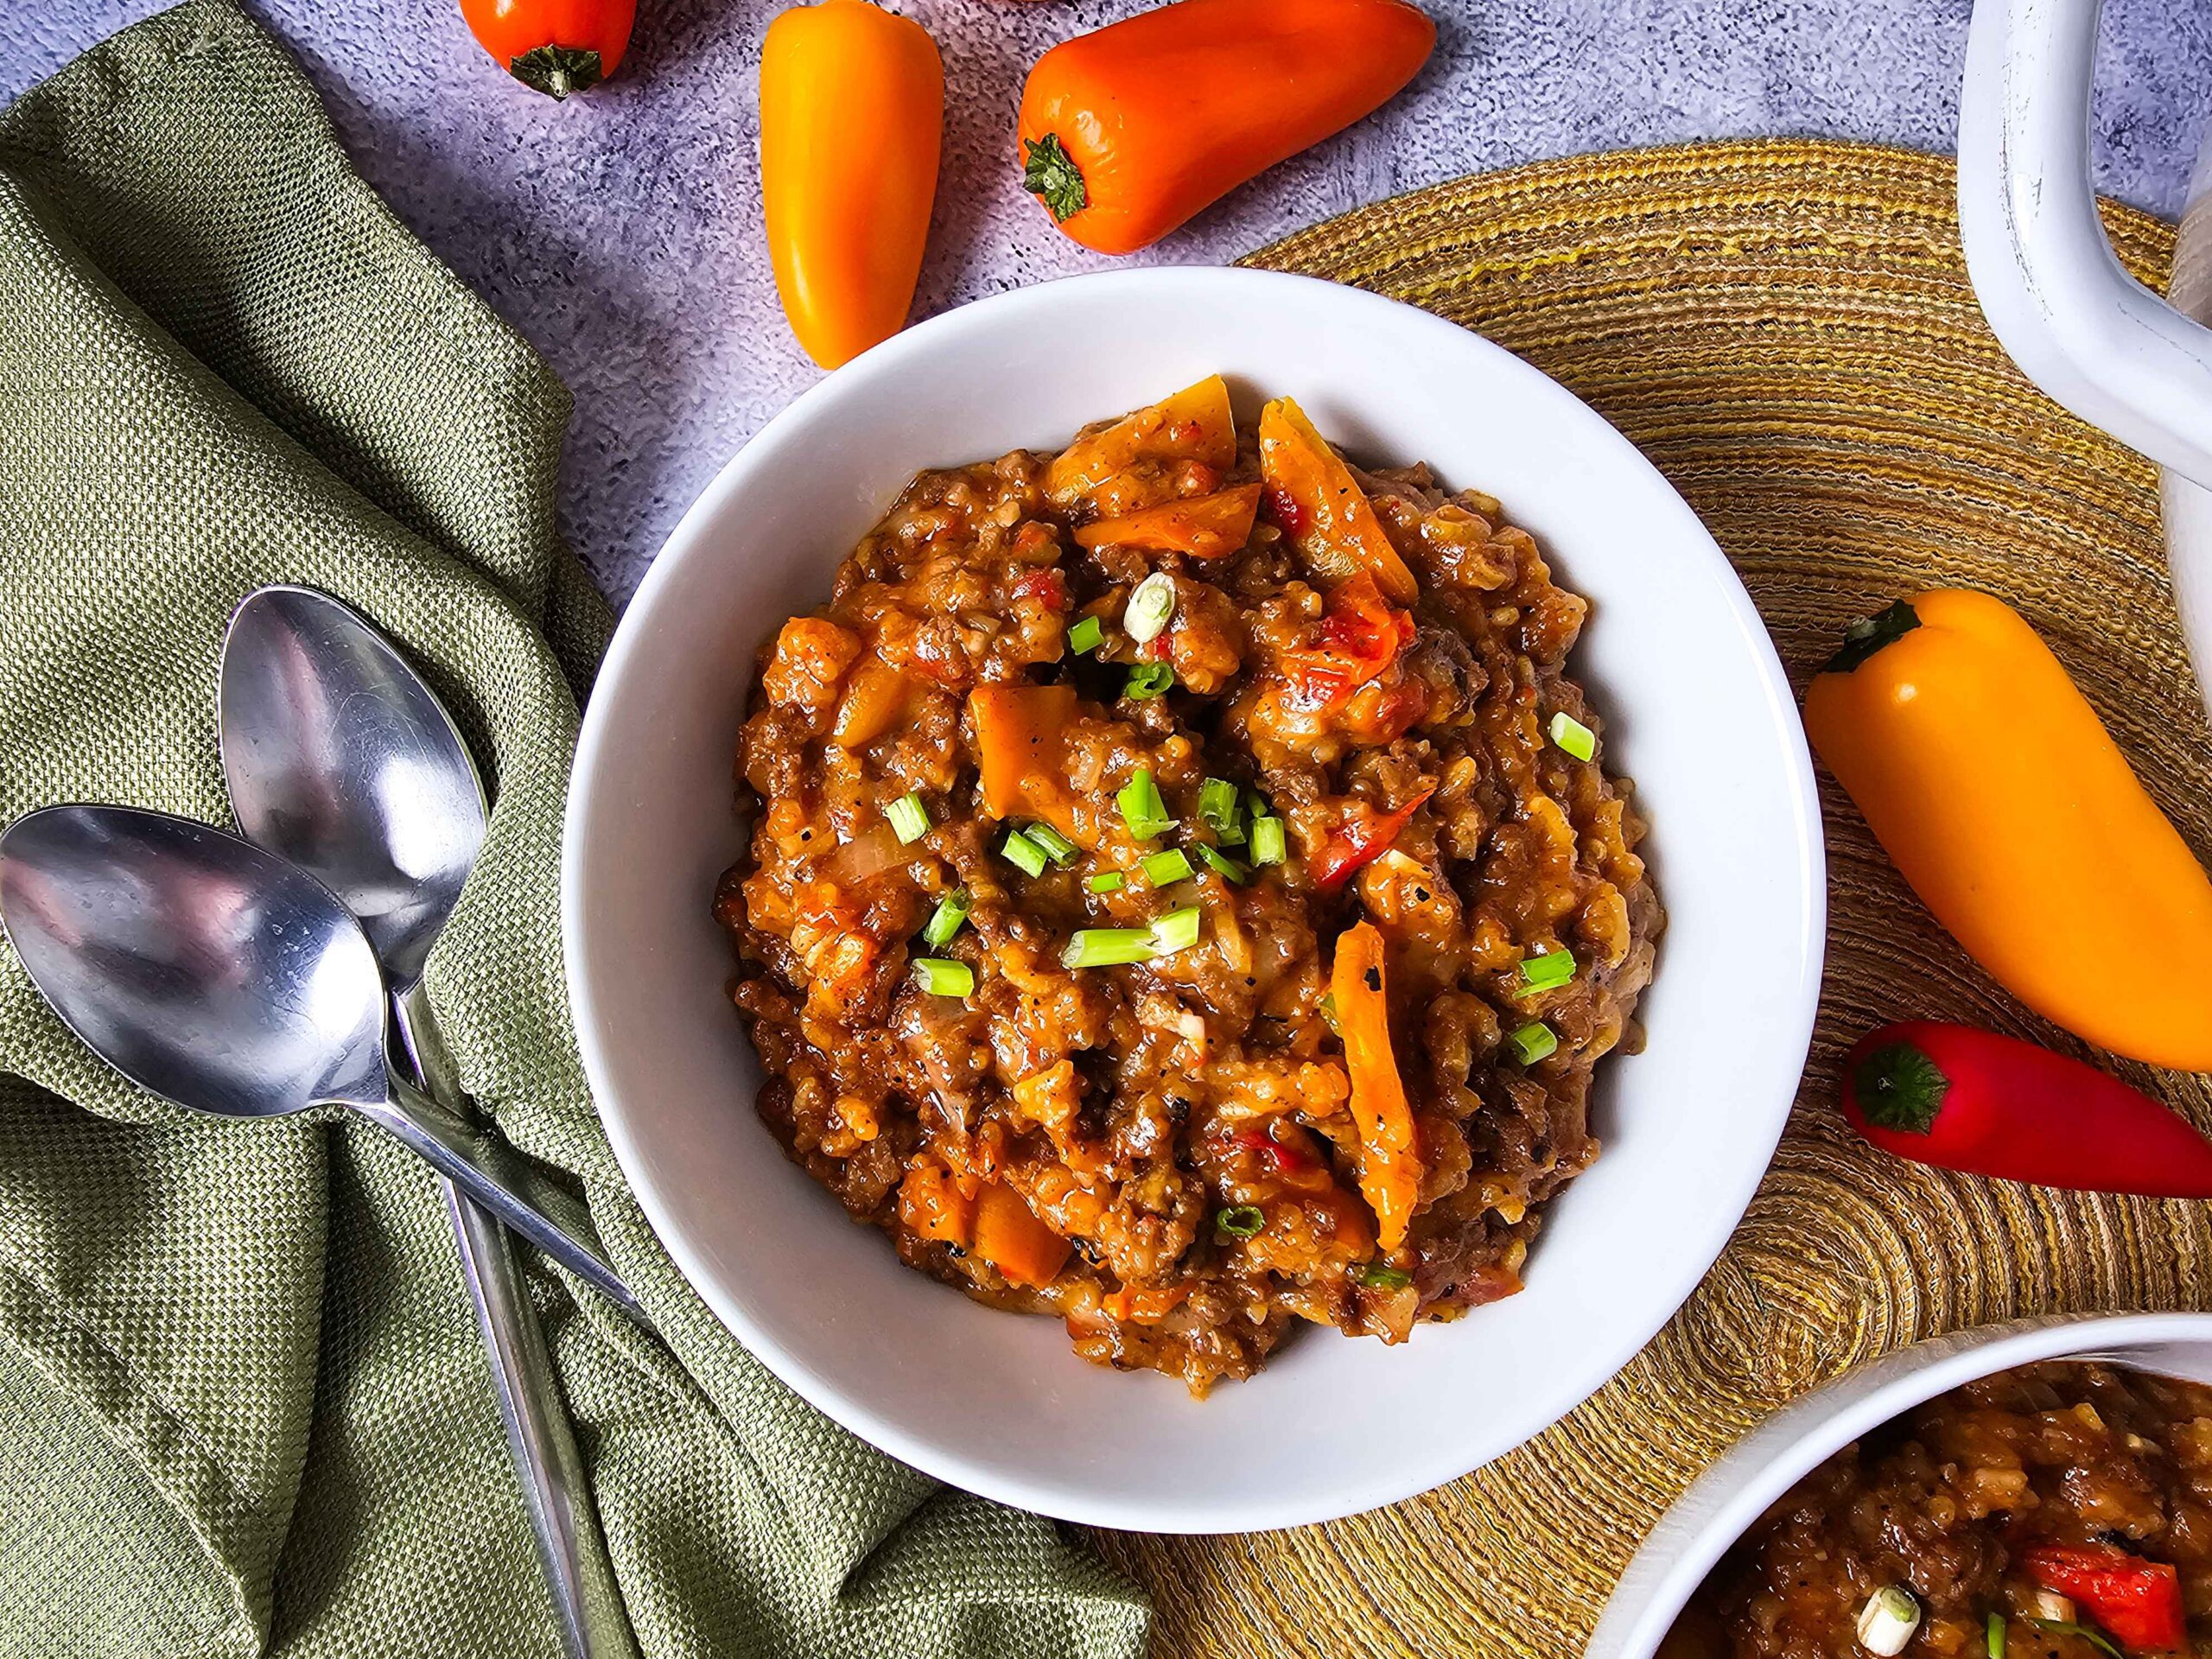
[[241, 1399]]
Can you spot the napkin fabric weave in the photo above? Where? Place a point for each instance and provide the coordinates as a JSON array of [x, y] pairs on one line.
[[243, 1404]]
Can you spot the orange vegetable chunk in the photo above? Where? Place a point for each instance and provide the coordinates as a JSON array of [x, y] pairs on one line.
[[1011, 1238], [1195, 424], [1203, 527], [1326, 515], [931, 1204], [1391, 1177], [1021, 741]]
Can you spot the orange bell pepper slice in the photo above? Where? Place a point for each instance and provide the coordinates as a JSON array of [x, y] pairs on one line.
[[1195, 424], [1390, 1177], [1327, 517], [1021, 744], [1009, 1237], [1202, 527]]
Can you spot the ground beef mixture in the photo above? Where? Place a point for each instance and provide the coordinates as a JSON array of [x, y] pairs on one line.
[[2058, 1512], [1183, 897]]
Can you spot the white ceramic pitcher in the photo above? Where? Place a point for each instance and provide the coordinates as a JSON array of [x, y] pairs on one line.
[[2078, 324]]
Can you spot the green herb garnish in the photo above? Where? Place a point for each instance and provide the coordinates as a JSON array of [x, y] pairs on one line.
[[1177, 931], [1058, 847], [1270, 844], [941, 977], [1088, 634], [1553, 969], [1019, 850], [910, 819], [1572, 735], [1163, 868], [1535, 1041], [1381, 1276], [1219, 807], [951, 912], [1224, 866], [1105, 882], [1107, 947], [1142, 810], [1240, 1221], [1148, 680]]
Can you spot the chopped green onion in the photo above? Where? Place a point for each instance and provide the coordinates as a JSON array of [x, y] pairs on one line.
[[1088, 634], [910, 819], [1019, 850], [1163, 868], [1240, 1221], [1148, 680], [1269, 845], [1152, 606], [1887, 1621], [1058, 847], [1177, 931], [1381, 1276], [1534, 1041], [1329, 1011], [1141, 808], [1104, 947], [1573, 736], [1224, 866], [941, 977], [1553, 969], [1994, 1641], [1105, 882], [1256, 804], [946, 920], [1219, 806]]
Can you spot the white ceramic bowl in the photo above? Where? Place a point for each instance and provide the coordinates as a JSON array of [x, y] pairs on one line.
[[1697, 710], [1727, 1497]]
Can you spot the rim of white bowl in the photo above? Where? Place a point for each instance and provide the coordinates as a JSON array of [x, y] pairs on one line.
[[1065, 1498], [1809, 1432]]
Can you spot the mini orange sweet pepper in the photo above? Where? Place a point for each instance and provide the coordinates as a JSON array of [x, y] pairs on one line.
[[1997, 791], [852, 119]]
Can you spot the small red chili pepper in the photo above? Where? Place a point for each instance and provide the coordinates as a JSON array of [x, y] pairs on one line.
[[1352, 845], [2138, 1602], [1959, 1098]]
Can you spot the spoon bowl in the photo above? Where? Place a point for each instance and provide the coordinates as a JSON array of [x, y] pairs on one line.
[[340, 758], [227, 980], [202, 967]]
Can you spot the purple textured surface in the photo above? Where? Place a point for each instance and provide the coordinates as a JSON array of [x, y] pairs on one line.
[[620, 231]]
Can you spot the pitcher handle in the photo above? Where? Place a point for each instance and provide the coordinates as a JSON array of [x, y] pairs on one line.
[[2076, 323]]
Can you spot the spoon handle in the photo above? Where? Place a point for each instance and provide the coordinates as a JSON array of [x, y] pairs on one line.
[[443, 1137], [556, 1489]]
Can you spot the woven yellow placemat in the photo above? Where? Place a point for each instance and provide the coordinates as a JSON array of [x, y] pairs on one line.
[[1787, 330]]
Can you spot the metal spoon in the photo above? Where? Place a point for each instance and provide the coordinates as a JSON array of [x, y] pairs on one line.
[[231, 981], [338, 756]]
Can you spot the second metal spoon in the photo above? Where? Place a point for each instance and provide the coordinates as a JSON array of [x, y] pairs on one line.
[[338, 756]]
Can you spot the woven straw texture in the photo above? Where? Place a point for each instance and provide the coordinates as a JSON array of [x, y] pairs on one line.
[[1786, 329], [242, 1398]]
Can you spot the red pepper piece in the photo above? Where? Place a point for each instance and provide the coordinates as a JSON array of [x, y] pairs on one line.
[[1354, 844], [1360, 634], [1959, 1098], [1047, 586], [2138, 1602], [1279, 1155]]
